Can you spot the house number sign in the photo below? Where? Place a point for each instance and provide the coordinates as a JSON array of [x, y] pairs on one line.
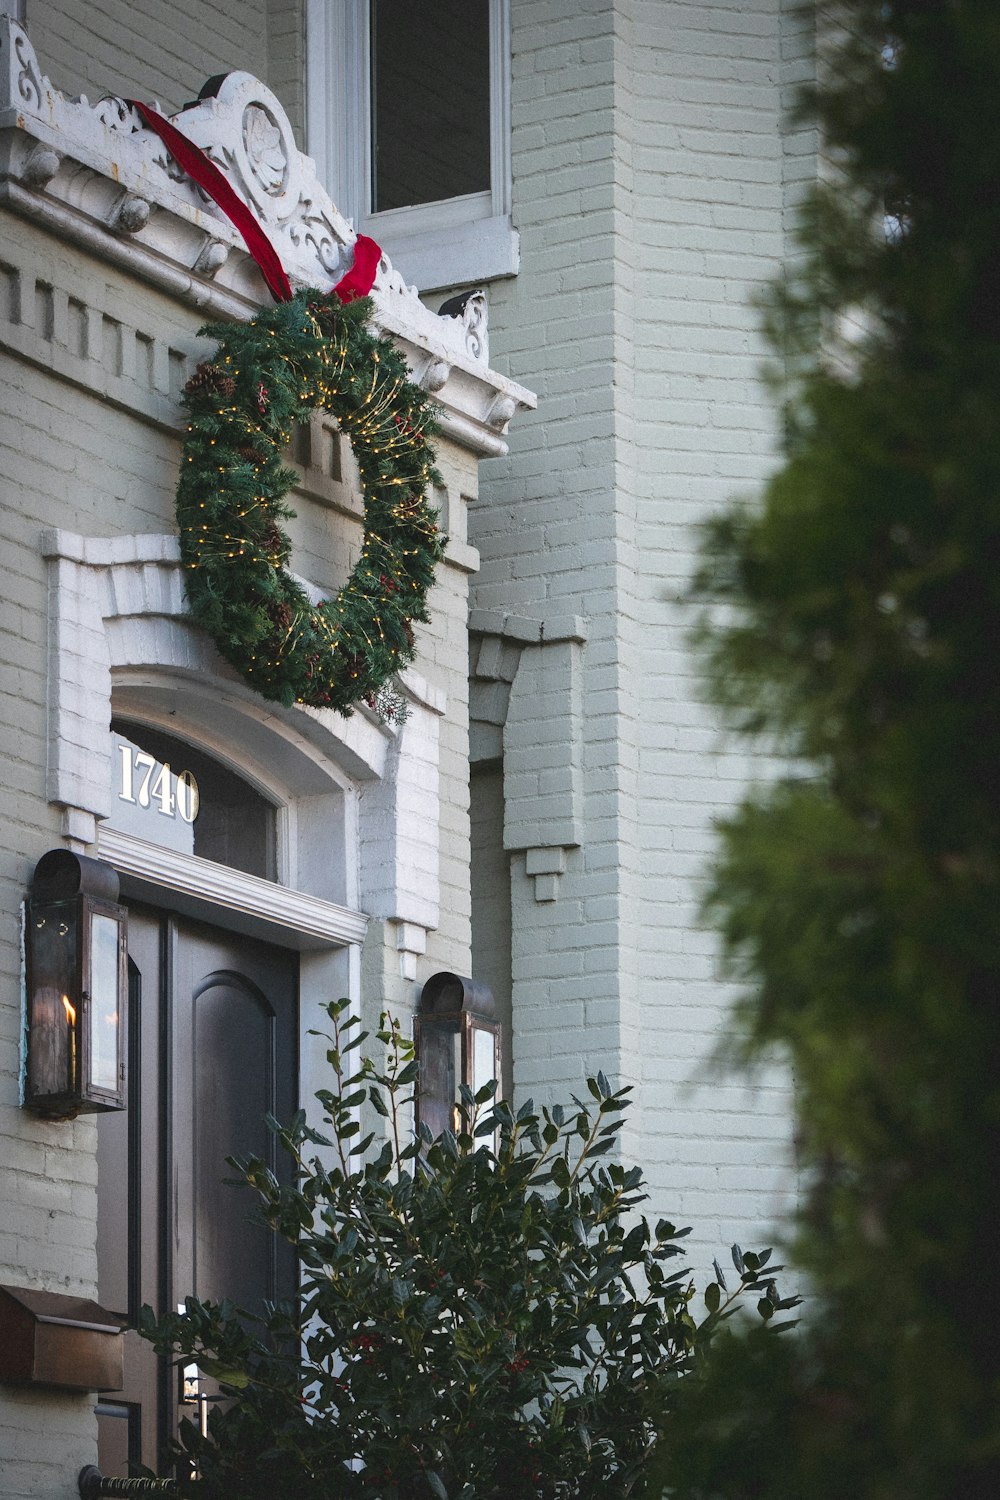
[[145, 782]]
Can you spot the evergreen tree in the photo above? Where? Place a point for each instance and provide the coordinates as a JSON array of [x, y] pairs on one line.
[[859, 897]]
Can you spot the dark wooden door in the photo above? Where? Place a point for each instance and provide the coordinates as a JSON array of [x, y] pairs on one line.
[[213, 1023]]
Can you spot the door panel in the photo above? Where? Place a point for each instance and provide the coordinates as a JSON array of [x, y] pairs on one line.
[[233, 1039], [213, 1046]]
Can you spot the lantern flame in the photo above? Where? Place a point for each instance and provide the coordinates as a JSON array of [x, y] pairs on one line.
[[70, 1010]]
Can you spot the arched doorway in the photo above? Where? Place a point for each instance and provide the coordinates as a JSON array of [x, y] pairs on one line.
[[214, 969], [356, 803]]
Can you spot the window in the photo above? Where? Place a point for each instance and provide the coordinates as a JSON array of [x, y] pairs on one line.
[[169, 793], [408, 119], [430, 101]]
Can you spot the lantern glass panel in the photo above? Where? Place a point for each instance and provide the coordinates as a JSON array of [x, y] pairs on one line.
[[104, 940], [440, 1072], [53, 1016], [484, 1066]]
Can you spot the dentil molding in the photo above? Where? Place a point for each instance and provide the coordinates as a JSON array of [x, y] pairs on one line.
[[96, 176]]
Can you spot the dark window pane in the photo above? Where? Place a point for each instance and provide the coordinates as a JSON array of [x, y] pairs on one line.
[[430, 100], [199, 807]]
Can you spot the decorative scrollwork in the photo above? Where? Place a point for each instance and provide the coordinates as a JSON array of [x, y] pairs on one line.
[[241, 126], [470, 309], [265, 149], [476, 327], [319, 235], [117, 114], [29, 80]]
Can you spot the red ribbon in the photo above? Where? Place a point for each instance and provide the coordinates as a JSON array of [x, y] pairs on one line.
[[207, 175], [357, 282], [360, 279]]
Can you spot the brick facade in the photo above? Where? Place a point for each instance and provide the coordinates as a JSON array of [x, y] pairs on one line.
[[654, 179], [98, 333], [654, 175]]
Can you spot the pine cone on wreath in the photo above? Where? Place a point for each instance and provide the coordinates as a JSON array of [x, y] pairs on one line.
[[211, 379], [273, 542]]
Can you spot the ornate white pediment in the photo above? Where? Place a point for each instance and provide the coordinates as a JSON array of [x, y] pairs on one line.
[[95, 174]]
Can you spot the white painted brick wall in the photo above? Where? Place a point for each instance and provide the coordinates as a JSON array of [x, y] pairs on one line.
[[64, 457], [653, 182], [286, 60], [43, 1446], [166, 51], [89, 443], [706, 434], [161, 52], [546, 526]]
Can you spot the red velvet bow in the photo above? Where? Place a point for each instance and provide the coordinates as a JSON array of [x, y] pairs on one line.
[[357, 282]]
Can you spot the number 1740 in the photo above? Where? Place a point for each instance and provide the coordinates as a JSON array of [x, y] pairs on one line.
[[145, 782]]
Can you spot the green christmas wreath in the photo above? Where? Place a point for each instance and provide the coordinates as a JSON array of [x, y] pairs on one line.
[[267, 375]]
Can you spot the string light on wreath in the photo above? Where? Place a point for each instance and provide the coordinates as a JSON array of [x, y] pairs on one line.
[[267, 376], [310, 352]]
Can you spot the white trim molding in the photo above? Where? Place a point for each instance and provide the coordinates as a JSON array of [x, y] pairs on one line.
[[526, 712], [201, 888], [96, 177], [119, 635]]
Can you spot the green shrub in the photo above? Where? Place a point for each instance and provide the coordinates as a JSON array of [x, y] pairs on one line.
[[480, 1315]]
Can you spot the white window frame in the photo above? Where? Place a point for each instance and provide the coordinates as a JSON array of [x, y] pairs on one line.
[[433, 245]]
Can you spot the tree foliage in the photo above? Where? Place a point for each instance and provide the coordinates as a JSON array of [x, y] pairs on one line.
[[858, 898], [480, 1316]]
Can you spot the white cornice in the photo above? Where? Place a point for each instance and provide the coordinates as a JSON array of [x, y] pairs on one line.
[[97, 177], [195, 882]]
